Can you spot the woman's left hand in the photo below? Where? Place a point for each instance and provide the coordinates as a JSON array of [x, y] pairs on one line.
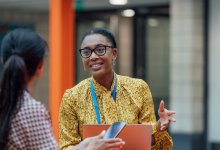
[[165, 117]]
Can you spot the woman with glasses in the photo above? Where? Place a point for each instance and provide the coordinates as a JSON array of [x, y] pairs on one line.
[[107, 97]]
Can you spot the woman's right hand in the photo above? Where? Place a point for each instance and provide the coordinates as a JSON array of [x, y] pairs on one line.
[[98, 143]]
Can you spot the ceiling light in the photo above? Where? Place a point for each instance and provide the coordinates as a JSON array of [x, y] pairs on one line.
[[118, 2], [128, 13]]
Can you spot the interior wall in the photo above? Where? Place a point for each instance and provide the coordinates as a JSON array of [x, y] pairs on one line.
[[125, 58], [214, 72], [39, 20], [186, 74], [157, 54], [186, 65]]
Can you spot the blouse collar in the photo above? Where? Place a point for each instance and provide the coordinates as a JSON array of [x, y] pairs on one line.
[[99, 88]]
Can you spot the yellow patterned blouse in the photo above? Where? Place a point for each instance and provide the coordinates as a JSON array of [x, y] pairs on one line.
[[133, 105]]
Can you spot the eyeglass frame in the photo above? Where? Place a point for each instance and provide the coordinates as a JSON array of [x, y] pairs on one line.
[[93, 50]]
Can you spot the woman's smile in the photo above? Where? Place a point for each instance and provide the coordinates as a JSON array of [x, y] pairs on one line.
[[95, 66]]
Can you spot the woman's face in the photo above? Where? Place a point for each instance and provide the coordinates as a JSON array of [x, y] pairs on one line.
[[99, 66]]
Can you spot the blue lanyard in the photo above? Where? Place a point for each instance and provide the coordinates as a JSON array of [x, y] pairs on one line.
[[94, 99]]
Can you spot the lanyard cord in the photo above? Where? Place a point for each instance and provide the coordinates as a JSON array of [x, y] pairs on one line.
[[95, 102], [94, 99]]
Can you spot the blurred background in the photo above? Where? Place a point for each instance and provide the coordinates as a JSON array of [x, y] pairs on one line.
[[171, 44]]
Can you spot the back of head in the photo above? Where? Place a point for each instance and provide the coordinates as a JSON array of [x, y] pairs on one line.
[[103, 32], [22, 51], [25, 44]]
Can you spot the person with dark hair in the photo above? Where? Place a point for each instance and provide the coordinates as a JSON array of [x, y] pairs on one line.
[[107, 97], [24, 122]]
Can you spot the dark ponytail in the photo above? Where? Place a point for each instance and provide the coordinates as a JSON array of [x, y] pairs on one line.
[[22, 51], [13, 81]]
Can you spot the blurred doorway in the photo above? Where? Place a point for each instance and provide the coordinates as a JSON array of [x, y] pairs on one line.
[[152, 44]]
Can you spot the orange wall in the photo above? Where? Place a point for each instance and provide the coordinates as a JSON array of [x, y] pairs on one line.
[[61, 56]]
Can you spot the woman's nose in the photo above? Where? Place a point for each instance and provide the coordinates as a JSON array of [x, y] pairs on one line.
[[93, 56]]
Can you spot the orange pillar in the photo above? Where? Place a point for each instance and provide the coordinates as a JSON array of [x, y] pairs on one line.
[[61, 54]]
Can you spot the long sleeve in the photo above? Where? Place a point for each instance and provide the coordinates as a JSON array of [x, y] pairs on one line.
[[68, 122], [147, 116]]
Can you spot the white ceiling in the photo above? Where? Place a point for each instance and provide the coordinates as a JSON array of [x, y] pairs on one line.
[[43, 5]]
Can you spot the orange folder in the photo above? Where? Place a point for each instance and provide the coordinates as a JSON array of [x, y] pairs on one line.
[[136, 136]]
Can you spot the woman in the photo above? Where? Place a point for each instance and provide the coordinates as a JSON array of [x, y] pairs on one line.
[[24, 122], [107, 97]]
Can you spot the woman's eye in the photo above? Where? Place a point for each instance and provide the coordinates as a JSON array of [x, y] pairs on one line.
[[86, 52], [100, 49]]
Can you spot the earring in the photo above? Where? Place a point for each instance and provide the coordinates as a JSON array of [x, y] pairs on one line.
[[113, 62]]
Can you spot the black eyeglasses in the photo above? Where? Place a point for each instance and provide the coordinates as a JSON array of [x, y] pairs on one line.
[[99, 51]]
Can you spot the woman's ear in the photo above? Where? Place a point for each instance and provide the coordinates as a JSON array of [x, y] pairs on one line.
[[115, 53], [40, 69]]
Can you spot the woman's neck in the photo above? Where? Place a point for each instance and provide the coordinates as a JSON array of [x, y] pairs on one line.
[[106, 81], [30, 86]]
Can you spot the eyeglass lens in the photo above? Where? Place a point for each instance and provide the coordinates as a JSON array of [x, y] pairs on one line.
[[101, 50]]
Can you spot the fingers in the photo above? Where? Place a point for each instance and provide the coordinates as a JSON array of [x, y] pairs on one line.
[[116, 146], [167, 121], [115, 143], [164, 125], [166, 114], [110, 144], [113, 140], [163, 128], [171, 119], [101, 135], [170, 112], [164, 122], [161, 107]]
